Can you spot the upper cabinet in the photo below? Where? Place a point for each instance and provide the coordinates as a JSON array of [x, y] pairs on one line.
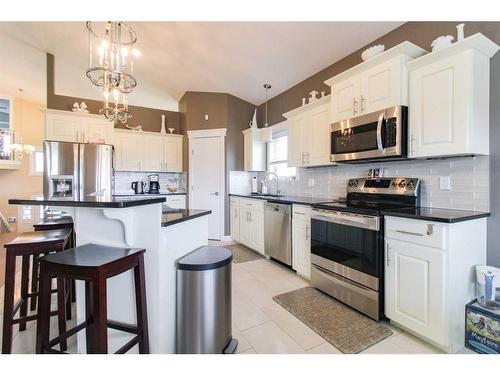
[[147, 151], [375, 84], [449, 100], [309, 134], [255, 150], [69, 126]]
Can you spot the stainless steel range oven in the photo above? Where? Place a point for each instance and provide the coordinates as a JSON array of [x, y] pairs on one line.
[[377, 135], [347, 241]]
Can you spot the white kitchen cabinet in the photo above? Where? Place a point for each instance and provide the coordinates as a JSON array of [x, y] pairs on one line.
[[177, 201], [309, 134], [68, 126], [301, 240], [375, 84], [251, 221], [429, 276], [172, 152], [234, 218], [449, 100], [255, 150], [147, 151]]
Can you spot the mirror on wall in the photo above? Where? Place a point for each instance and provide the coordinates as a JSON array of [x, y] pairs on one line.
[[5, 128]]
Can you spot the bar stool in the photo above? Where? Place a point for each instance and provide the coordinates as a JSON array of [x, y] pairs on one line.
[[93, 264], [51, 222], [26, 245]]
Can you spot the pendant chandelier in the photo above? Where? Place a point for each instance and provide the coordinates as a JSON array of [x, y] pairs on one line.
[[111, 66]]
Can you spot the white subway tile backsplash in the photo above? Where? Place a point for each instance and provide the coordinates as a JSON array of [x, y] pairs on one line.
[[123, 180], [469, 177]]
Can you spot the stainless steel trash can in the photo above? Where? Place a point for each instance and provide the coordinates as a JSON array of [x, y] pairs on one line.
[[204, 302]]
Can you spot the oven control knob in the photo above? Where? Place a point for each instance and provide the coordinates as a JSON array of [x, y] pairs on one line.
[[410, 185], [402, 184]]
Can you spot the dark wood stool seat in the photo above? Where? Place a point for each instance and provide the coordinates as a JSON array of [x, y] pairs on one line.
[[93, 264], [26, 245], [50, 222]]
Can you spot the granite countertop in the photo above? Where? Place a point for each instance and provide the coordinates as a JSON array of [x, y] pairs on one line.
[[96, 202], [171, 216], [442, 215], [286, 199]]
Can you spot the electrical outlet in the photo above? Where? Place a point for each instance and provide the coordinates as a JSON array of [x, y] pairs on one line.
[[444, 183], [12, 219], [206, 117], [311, 182]]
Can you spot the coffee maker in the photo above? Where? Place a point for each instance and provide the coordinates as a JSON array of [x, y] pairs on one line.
[[154, 184]]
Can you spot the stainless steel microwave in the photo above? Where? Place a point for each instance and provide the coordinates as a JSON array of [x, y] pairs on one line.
[[374, 136]]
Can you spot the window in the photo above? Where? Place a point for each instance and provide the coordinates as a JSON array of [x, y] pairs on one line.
[[278, 152], [36, 163]]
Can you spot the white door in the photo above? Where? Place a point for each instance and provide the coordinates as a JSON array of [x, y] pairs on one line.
[[301, 242], [257, 230], [345, 99], [319, 136], [235, 221], [206, 179], [381, 87], [414, 288]]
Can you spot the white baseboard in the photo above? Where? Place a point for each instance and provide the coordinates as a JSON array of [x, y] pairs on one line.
[[226, 238]]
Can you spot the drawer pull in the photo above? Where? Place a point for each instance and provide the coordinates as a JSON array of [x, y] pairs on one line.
[[410, 233], [430, 229]]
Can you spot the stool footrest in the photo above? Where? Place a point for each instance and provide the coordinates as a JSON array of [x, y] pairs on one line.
[[125, 327], [67, 334], [29, 318], [129, 345]]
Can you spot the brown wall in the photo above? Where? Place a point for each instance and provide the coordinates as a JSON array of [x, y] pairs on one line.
[[224, 111], [148, 118], [420, 33]]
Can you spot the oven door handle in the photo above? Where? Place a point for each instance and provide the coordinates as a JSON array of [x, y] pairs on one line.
[[371, 223], [381, 118]]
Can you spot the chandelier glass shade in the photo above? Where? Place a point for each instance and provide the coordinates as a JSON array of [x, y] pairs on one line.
[[111, 66]]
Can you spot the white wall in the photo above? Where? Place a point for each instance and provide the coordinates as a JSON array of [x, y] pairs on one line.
[[22, 66], [70, 80]]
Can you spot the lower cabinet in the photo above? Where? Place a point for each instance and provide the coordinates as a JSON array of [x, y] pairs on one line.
[[429, 276], [247, 222], [301, 241], [234, 218]]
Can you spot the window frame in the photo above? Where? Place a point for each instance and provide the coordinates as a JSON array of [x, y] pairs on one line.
[[33, 171], [275, 132]]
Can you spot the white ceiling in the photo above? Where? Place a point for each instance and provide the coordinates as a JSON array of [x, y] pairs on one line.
[[232, 57]]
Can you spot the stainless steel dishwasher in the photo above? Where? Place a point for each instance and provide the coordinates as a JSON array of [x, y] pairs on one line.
[[278, 231]]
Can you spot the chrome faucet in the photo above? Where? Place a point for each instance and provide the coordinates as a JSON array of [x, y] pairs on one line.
[[277, 181]]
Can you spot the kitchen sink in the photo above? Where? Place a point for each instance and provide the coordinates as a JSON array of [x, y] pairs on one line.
[[267, 195]]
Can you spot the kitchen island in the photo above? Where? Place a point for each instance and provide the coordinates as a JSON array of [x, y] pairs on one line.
[[166, 235]]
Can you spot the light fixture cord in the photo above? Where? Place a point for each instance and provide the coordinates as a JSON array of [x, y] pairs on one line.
[[266, 105]]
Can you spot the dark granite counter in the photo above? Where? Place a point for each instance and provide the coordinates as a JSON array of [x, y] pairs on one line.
[[95, 202], [174, 216], [442, 215], [290, 199]]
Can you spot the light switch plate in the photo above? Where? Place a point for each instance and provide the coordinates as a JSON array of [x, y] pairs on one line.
[[311, 182], [206, 117], [444, 183]]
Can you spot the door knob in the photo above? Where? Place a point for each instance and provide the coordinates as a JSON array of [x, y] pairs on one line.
[[215, 193]]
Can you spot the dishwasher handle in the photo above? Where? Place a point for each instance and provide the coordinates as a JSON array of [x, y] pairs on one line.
[[278, 207]]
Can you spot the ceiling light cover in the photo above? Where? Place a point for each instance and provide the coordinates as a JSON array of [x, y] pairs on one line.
[[111, 66]]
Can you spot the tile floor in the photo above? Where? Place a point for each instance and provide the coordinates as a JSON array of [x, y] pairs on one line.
[[260, 324]]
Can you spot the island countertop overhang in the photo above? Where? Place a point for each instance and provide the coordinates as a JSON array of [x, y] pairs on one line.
[[91, 202]]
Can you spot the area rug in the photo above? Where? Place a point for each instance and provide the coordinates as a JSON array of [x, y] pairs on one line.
[[242, 254], [343, 327]]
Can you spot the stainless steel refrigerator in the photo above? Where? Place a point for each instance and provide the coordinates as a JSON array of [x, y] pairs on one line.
[[77, 171]]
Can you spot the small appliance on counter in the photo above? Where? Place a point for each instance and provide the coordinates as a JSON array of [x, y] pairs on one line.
[[154, 183], [488, 287], [255, 184], [138, 187]]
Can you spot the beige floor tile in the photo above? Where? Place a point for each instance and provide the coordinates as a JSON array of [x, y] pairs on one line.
[[245, 313], [249, 351], [259, 293], [243, 343], [240, 274], [268, 338], [298, 331], [325, 348], [403, 343]]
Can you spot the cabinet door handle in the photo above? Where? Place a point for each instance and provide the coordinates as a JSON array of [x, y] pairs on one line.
[[410, 233], [354, 105], [412, 140], [250, 215], [387, 255], [308, 235], [77, 138], [363, 100], [308, 158]]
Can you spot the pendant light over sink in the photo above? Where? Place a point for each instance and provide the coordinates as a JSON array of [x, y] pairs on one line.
[[111, 66]]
